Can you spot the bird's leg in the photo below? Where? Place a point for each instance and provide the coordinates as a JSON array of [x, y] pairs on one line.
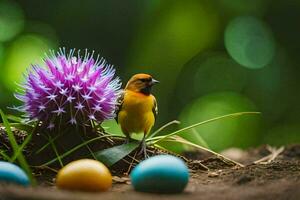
[[128, 139], [144, 147]]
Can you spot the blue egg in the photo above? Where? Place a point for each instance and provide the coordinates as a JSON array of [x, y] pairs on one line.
[[160, 174], [11, 173]]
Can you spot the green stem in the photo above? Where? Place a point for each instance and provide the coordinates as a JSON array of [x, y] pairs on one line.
[[203, 122], [163, 127], [74, 149], [55, 151]]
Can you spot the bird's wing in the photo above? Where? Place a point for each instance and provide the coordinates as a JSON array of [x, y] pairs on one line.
[[119, 104], [155, 108]]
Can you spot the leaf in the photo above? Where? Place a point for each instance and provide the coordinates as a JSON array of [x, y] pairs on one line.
[[112, 155], [16, 149]]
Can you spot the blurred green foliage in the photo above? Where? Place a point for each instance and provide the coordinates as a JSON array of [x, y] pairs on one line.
[[12, 20], [249, 42], [23, 52], [241, 132], [212, 57]]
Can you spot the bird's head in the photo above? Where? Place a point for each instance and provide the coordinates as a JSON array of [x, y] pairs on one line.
[[141, 83]]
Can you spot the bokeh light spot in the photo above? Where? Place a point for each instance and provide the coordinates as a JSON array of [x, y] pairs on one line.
[[11, 20], [249, 42], [23, 52], [222, 134]]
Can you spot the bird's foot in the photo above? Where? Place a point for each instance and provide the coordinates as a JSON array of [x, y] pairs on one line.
[[144, 149], [128, 140]]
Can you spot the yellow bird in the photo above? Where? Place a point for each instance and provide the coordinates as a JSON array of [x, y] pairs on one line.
[[137, 107]]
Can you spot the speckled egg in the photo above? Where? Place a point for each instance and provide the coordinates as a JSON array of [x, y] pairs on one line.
[[11, 173], [160, 174], [84, 175]]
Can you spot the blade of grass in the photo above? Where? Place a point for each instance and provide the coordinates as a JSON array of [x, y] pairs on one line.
[[53, 139], [201, 141], [25, 142], [5, 156], [184, 141], [157, 139], [73, 150], [24, 127], [167, 150], [46, 145], [55, 150], [21, 158], [163, 127], [115, 135], [14, 118], [23, 145], [87, 146], [9, 133]]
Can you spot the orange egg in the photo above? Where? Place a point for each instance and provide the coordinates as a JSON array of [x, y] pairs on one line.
[[84, 175]]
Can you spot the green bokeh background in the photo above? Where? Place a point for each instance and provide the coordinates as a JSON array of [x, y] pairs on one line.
[[212, 57]]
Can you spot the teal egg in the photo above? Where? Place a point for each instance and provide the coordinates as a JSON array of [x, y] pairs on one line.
[[11, 173], [160, 174]]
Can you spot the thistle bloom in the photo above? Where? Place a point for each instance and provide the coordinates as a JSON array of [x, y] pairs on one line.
[[70, 89]]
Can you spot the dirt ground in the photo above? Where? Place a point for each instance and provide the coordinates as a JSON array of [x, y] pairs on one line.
[[276, 177]]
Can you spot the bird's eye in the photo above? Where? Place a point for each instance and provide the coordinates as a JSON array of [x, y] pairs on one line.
[[144, 80]]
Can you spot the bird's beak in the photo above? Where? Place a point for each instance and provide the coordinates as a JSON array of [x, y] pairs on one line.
[[153, 82]]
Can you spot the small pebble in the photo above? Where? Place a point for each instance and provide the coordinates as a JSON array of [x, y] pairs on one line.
[[11, 173], [117, 179], [84, 175], [213, 174]]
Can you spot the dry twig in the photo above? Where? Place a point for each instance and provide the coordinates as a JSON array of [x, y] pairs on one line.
[[274, 152]]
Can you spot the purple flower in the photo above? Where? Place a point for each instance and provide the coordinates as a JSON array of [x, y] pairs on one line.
[[70, 89]]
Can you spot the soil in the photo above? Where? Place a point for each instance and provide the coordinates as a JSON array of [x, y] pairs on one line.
[[278, 178]]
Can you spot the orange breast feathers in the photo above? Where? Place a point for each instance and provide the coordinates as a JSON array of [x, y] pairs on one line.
[[136, 114]]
